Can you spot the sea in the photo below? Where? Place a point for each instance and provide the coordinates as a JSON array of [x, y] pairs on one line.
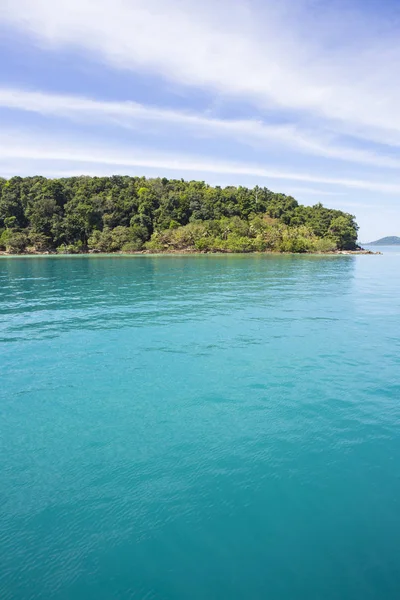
[[215, 427]]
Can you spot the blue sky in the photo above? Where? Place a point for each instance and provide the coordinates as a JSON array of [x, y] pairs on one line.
[[302, 97]]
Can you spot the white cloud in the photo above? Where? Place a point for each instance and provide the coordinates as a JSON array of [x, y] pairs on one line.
[[275, 55], [135, 115], [25, 149]]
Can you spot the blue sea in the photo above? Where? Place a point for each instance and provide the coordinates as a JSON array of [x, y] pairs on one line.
[[200, 427]]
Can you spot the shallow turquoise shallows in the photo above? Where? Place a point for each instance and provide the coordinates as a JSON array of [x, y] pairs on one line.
[[200, 428]]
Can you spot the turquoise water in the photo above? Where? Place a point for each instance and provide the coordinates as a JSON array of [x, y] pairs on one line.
[[222, 427]]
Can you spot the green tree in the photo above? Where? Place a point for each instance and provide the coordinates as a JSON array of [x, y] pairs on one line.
[[121, 213], [343, 231], [11, 202]]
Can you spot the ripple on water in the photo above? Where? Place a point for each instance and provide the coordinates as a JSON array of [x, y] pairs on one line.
[[200, 427]]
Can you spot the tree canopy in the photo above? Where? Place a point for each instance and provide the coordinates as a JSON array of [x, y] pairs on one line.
[[122, 213]]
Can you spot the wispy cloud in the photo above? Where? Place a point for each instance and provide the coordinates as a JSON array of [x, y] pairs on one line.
[[25, 148], [130, 114], [263, 53]]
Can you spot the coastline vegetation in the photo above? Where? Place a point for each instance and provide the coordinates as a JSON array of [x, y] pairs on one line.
[[134, 214]]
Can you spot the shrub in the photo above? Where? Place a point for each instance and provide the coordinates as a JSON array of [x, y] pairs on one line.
[[100, 241], [324, 245], [77, 248], [156, 243], [295, 245], [14, 241], [203, 244], [40, 242], [236, 243], [132, 246]]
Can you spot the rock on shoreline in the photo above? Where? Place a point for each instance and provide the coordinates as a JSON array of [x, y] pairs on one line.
[[360, 251]]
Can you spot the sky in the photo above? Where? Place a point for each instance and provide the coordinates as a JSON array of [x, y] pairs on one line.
[[302, 97]]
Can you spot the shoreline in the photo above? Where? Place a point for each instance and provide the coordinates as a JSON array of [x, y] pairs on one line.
[[360, 252]]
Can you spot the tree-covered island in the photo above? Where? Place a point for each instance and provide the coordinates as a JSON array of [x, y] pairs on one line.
[[134, 214]]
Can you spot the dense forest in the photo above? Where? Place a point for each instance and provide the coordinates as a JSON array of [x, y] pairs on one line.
[[131, 214]]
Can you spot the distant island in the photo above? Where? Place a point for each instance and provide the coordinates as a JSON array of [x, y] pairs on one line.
[[133, 214], [390, 240]]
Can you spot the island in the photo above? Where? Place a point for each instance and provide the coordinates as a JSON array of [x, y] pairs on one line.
[[155, 215], [390, 240]]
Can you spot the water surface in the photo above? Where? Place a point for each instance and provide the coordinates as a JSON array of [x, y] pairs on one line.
[[200, 427]]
